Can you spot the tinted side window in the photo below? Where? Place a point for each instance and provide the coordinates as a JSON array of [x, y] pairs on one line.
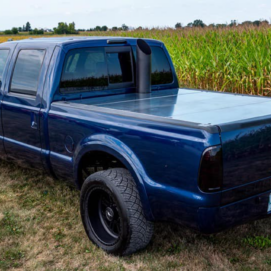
[[119, 67], [26, 73], [84, 70], [3, 59], [161, 71]]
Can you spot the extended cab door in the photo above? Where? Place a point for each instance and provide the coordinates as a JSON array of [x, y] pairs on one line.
[[22, 101]]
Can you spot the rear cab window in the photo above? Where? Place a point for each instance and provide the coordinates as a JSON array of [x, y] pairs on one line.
[[3, 59], [109, 68], [84, 70], [91, 69], [119, 67], [161, 70]]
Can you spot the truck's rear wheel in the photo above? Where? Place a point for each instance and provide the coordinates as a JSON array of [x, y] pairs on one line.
[[112, 213]]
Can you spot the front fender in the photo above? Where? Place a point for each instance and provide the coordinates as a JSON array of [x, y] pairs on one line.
[[113, 146]]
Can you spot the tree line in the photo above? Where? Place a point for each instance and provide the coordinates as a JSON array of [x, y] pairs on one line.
[[24, 28], [200, 23], [64, 28]]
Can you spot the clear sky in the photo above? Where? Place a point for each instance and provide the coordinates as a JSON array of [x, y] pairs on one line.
[[89, 13]]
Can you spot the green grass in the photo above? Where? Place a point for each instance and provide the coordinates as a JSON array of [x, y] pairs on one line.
[[261, 242], [41, 229]]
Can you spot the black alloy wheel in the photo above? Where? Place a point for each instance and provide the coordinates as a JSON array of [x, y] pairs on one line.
[[112, 212]]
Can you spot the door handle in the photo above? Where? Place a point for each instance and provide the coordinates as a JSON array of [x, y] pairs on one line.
[[34, 124]]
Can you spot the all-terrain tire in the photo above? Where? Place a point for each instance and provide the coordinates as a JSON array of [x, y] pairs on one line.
[[116, 188]]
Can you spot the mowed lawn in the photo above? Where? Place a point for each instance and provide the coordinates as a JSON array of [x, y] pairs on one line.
[[40, 229]]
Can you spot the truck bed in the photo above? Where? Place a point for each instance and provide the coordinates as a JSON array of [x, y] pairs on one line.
[[244, 124], [201, 107]]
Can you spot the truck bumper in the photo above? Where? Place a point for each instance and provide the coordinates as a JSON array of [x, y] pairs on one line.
[[211, 220]]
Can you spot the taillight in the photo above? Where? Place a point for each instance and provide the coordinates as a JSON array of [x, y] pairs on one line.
[[211, 171]]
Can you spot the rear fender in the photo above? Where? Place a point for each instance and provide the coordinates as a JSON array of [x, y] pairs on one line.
[[113, 146]]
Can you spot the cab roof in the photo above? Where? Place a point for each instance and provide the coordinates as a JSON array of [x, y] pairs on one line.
[[78, 39]]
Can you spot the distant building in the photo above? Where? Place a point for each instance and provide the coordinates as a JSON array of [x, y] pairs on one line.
[[47, 30]]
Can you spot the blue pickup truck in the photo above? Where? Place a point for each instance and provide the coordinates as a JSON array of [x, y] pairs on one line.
[[107, 115]]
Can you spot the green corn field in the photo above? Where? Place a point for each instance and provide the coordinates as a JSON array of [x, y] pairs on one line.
[[234, 59]]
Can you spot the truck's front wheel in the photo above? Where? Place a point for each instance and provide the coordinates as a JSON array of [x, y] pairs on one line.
[[112, 212]]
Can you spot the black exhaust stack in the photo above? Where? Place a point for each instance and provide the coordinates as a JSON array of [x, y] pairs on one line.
[[143, 67]]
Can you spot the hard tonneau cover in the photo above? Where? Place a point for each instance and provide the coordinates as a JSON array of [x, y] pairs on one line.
[[194, 106]]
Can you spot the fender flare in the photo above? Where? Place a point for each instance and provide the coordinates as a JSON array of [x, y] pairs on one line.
[[115, 147]]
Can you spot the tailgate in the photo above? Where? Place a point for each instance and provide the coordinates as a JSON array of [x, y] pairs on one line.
[[246, 148]]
